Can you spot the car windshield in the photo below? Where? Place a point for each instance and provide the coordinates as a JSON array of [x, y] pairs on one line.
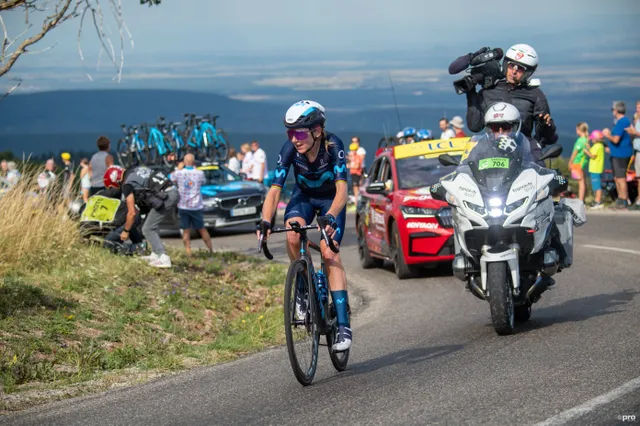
[[220, 176], [420, 171]]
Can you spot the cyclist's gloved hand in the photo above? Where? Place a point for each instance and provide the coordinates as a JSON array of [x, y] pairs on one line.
[[331, 224], [263, 229]]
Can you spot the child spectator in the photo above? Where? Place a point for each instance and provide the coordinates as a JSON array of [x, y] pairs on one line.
[[595, 151], [578, 160]]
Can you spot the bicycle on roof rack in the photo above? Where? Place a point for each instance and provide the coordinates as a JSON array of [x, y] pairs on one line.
[[319, 317], [160, 149], [132, 149]]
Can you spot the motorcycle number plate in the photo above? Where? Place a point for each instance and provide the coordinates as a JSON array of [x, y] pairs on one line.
[[493, 163]]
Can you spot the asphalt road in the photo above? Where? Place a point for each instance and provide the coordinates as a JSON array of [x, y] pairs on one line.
[[425, 353]]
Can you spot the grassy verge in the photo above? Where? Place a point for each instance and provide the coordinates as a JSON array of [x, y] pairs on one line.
[[75, 319]]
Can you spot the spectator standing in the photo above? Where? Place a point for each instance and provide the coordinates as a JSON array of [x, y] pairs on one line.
[[85, 179], [47, 178], [189, 180], [620, 150], [100, 161], [234, 163], [458, 126], [595, 151], [447, 133], [247, 161], [578, 158], [355, 165], [4, 168], [635, 132], [67, 175], [259, 168]]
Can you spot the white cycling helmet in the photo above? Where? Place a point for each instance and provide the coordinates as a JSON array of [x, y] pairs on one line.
[[502, 113], [522, 54], [304, 114]]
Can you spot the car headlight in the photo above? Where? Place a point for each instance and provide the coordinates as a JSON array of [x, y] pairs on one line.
[[476, 208], [515, 205], [211, 202], [408, 211]]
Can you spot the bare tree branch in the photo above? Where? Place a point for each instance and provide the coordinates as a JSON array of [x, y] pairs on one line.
[[49, 23], [19, 82], [58, 13]]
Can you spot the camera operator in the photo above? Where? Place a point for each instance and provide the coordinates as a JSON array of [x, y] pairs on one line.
[[512, 85]]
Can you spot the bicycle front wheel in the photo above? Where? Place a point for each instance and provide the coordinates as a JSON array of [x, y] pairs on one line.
[[303, 335]]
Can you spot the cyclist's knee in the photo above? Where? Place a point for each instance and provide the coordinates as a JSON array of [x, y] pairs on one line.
[[330, 257], [293, 239]]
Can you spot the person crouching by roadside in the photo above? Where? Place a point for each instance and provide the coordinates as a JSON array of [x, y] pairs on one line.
[[595, 151], [114, 239], [189, 181]]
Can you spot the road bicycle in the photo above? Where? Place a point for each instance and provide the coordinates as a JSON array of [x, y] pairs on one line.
[[132, 149], [319, 317]]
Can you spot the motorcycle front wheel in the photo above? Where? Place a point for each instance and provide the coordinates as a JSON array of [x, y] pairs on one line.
[[500, 298]]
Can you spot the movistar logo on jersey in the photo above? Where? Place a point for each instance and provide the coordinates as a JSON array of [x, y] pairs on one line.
[[281, 173], [339, 169], [317, 183]]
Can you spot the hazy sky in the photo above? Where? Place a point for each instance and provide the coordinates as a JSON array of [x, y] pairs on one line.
[[191, 32]]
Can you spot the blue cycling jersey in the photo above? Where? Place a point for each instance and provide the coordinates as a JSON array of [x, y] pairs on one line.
[[316, 179]]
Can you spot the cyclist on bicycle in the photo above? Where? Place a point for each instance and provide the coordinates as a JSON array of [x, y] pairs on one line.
[[320, 171]]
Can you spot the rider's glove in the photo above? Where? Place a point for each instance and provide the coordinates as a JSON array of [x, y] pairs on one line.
[[263, 227], [331, 221]]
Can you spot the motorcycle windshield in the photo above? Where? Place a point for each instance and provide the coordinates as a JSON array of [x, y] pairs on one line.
[[495, 160]]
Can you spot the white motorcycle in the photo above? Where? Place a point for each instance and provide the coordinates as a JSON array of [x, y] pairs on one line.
[[504, 215]]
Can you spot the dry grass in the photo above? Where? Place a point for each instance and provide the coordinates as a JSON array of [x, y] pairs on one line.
[[35, 229], [75, 318]]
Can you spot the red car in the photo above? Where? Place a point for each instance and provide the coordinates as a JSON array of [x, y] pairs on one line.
[[396, 218]]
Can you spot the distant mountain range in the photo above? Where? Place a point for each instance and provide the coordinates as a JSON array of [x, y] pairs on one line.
[[72, 120]]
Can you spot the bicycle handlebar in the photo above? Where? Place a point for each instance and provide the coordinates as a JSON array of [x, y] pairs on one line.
[[295, 227]]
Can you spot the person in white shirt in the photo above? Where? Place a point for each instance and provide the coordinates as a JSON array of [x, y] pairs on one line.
[[260, 169], [247, 161], [234, 163], [447, 132]]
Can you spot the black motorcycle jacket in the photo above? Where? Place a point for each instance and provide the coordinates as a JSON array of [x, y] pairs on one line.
[[529, 100]]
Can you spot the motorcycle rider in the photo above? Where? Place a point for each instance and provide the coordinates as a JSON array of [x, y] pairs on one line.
[[517, 88], [502, 118]]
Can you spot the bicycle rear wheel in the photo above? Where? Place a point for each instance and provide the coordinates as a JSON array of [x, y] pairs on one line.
[[303, 336], [124, 153], [222, 147], [338, 359]]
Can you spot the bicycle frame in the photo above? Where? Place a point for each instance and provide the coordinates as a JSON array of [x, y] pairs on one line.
[[325, 323]]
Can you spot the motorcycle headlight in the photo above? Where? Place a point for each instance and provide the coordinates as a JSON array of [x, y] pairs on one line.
[[476, 208], [515, 205], [408, 211]]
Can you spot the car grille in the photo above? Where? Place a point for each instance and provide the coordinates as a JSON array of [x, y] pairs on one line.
[[230, 203]]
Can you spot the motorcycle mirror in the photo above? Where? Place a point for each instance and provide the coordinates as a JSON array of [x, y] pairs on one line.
[[447, 160], [552, 152]]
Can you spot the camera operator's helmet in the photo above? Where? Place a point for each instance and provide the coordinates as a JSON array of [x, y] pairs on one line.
[[423, 135], [304, 115], [409, 132], [113, 177], [502, 115], [524, 55]]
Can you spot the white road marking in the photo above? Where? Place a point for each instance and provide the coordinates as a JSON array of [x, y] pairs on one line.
[[592, 404], [611, 249]]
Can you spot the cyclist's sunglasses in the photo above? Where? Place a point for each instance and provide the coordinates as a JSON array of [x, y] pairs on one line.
[[300, 134], [497, 126]]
